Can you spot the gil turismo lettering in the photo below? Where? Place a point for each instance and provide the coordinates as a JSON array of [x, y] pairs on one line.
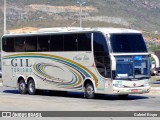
[[21, 66]]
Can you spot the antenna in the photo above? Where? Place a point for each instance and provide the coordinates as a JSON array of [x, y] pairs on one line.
[[72, 23]]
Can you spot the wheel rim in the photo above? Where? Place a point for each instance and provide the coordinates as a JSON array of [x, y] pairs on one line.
[[31, 87], [22, 86], [90, 90]]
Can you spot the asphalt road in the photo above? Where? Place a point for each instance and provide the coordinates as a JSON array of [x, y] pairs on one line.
[[11, 100]]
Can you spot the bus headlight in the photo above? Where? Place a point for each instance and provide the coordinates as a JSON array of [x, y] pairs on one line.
[[118, 85]]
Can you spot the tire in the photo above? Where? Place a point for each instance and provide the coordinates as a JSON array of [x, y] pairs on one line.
[[22, 87], [31, 87], [123, 96], [89, 91]]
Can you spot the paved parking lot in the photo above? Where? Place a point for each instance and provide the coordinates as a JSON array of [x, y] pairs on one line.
[[12, 100]]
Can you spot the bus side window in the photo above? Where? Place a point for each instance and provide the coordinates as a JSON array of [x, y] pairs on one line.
[[8, 44], [84, 42], [19, 45], [43, 43], [56, 43], [101, 54], [31, 44], [70, 42]]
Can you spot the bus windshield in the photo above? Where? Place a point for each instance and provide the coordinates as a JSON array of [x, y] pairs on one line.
[[132, 67], [127, 43]]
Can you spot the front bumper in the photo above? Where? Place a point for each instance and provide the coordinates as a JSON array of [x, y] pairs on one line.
[[136, 90]]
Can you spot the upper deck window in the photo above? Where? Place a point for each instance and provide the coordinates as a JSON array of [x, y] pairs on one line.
[[127, 43]]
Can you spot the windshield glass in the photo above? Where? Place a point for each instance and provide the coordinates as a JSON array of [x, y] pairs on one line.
[[132, 67], [129, 43]]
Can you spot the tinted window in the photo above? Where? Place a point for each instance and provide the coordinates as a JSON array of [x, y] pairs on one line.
[[101, 55], [84, 42], [43, 43], [127, 43], [70, 42], [100, 45], [8, 44], [31, 44], [19, 44], [56, 43]]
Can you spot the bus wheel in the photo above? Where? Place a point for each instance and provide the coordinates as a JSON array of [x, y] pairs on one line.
[[31, 87], [22, 87], [89, 91], [123, 96]]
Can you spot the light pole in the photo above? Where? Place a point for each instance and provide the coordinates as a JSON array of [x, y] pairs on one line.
[[81, 2], [4, 16]]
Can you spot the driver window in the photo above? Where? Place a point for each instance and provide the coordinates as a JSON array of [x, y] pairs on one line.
[[101, 55]]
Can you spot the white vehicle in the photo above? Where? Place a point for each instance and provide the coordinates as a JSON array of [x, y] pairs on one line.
[[155, 69], [93, 61]]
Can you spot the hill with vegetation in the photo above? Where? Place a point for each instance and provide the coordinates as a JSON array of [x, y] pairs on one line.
[[142, 15]]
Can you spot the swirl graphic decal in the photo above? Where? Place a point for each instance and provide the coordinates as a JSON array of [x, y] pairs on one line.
[[77, 72]]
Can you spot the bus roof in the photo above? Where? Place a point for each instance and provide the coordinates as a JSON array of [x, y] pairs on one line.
[[74, 30]]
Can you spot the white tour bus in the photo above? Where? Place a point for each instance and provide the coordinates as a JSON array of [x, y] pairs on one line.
[[89, 60]]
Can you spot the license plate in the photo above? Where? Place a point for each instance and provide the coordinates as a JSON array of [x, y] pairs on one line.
[[134, 91]]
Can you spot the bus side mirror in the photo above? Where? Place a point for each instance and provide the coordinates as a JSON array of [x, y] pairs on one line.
[[113, 65]]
